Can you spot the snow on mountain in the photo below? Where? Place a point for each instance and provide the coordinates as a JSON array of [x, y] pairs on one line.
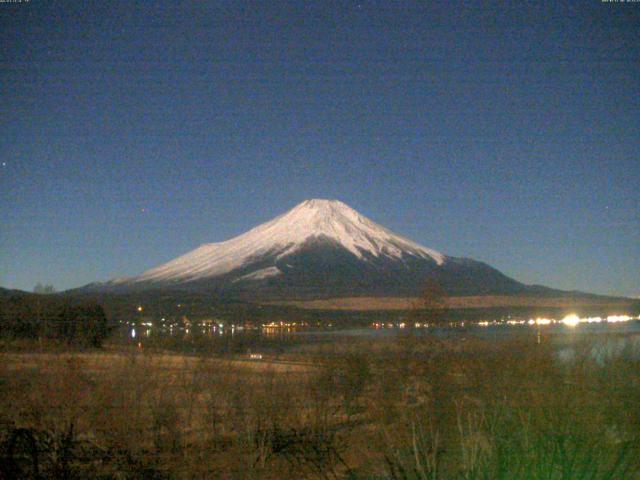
[[286, 234], [260, 274]]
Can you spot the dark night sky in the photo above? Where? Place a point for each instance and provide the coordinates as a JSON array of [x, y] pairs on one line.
[[133, 132]]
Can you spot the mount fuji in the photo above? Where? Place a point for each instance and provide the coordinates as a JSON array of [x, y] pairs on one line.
[[320, 249]]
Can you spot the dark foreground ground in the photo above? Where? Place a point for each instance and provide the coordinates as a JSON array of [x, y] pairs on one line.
[[398, 407]]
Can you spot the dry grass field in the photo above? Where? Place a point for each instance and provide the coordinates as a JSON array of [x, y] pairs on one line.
[[95, 362], [407, 407], [486, 301]]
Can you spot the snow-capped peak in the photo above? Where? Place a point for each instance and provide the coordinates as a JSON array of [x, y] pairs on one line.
[[288, 233]]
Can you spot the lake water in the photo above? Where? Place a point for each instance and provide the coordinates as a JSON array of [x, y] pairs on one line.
[[487, 331], [491, 331], [606, 339]]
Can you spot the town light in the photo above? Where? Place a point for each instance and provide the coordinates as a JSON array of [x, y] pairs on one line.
[[571, 320]]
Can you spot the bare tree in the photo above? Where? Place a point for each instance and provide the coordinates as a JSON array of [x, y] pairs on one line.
[[431, 306]]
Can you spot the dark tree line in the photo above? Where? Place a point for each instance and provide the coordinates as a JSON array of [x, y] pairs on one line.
[[24, 316]]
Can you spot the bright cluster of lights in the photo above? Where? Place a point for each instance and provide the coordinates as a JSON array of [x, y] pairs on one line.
[[573, 320], [379, 325], [570, 320], [620, 318], [284, 324], [541, 321]]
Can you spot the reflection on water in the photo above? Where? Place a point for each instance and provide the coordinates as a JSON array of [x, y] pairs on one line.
[[569, 325]]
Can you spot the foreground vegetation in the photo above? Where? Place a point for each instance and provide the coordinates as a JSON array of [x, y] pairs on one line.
[[410, 407], [52, 318]]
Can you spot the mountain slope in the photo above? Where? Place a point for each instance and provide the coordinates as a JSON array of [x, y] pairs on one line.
[[320, 249], [286, 235]]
